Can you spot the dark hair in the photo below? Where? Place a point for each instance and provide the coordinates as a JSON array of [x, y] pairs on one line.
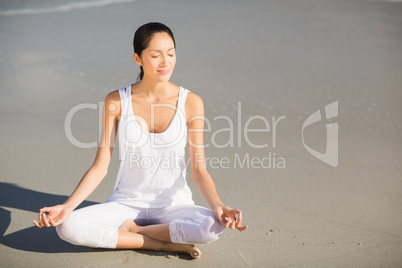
[[143, 36]]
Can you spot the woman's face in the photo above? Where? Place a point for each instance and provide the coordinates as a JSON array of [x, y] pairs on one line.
[[159, 58]]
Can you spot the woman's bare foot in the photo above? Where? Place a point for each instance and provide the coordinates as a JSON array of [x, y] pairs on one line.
[[191, 249], [195, 253]]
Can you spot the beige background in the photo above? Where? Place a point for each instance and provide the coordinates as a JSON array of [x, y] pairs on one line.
[[277, 58]]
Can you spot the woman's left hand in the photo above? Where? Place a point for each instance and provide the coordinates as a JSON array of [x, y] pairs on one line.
[[227, 217]]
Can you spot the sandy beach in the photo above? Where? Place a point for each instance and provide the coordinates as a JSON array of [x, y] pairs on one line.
[[266, 65]]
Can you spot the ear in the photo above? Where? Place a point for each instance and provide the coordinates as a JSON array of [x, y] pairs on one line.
[[137, 59]]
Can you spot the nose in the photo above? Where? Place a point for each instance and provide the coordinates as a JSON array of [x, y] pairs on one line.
[[164, 61]]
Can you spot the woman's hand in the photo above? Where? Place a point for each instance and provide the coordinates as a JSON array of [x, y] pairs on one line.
[[56, 215], [227, 217]]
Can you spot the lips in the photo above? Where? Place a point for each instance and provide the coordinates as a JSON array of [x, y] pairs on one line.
[[163, 71]]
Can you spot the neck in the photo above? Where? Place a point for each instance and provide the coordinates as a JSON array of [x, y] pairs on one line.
[[153, 89]]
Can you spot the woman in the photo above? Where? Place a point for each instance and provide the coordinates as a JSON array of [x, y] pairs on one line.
[[151, 206]]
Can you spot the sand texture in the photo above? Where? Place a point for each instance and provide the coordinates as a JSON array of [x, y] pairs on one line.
[[273, 59]]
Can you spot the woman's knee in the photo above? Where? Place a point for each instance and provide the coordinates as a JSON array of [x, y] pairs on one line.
[[74, 231], [69, 231], [205, 231], [79, 232], [212, 230]]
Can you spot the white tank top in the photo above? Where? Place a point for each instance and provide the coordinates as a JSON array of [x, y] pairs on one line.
[[152, 170]]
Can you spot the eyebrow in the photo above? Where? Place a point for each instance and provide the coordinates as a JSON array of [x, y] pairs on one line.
[[160, 50]]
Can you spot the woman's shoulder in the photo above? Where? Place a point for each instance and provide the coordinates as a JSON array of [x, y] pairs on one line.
[[113, 97], [194, 105], [112, 103], [193, 100]]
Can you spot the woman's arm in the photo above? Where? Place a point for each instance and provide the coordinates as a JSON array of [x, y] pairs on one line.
[[98, 170], [96, 173], [202, 179]]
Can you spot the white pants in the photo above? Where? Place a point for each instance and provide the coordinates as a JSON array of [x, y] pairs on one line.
[[97, 225]]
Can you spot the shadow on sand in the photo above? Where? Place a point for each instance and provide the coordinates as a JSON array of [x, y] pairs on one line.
[[32, 239], [44, 240]]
